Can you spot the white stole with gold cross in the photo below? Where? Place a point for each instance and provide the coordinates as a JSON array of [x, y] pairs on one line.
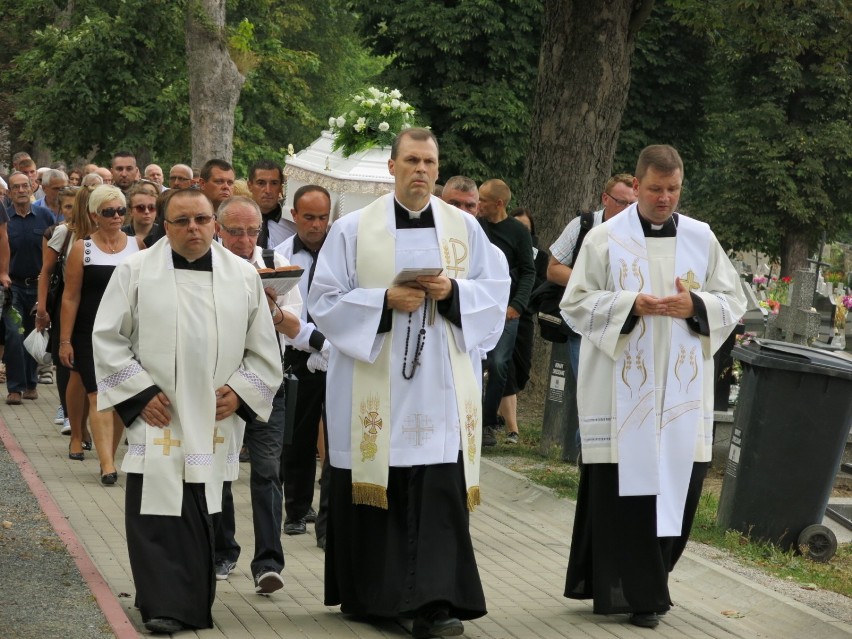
[[371, 386], [656, 447]]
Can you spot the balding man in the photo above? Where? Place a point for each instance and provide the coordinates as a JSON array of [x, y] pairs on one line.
[[105, 173], [180, 177], [461, 192], [238, 226], [513, 238], [154, 173]]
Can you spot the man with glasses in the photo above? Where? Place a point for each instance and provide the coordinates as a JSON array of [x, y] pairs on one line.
[[618, 194], [26, 226], [184, 349], [180, 177], [238, 226], [266, 180]]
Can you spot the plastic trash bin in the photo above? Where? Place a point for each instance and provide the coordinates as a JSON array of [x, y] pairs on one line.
[[790, 427]]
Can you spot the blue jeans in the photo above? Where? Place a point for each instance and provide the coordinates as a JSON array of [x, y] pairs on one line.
[[574, 352], [497, 366], [21, 368], [264, 441]]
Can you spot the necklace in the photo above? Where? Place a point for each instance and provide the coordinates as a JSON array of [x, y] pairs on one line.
[[112, 249], [418, 348]]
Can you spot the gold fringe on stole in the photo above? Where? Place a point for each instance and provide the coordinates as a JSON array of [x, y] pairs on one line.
[[473, 498], [370, 495]]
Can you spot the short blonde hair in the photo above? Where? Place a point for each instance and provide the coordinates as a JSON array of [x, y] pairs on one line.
[[103, 194]]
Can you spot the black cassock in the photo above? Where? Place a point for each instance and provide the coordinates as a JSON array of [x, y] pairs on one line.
[[616, 557], [171, 558], [390, 563]]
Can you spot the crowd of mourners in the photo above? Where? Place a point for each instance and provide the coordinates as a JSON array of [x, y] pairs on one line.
[[196, 318]]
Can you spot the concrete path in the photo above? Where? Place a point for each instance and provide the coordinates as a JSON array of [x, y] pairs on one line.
[[521, 535]]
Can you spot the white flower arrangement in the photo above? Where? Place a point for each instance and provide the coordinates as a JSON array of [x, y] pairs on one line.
[[375, 118]]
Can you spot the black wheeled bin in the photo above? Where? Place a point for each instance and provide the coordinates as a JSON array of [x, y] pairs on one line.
[[790, 427]]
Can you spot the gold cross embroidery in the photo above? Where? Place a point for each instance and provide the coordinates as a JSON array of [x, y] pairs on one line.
[[217, 439], [690, 282], [166, 441]]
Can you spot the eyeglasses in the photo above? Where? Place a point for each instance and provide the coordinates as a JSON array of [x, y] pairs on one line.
[[240, 232], [183, 222], [617, 201], [112, 211], [141, 208]]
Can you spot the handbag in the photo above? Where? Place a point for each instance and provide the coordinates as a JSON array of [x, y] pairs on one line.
[[56, 284]]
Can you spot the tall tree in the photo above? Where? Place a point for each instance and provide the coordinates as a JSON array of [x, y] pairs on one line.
[[780, 123], [467, 67], [214, 81], [583, 81]]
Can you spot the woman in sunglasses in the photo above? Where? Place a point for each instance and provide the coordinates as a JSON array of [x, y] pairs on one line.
[[141, 213], [87, 273]]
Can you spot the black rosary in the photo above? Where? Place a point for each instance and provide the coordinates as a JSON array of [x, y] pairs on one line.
[[418, 349]]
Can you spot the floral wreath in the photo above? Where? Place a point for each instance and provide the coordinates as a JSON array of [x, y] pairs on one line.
[[375, 117]]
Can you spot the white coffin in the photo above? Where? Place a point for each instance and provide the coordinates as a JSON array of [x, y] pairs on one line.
[[353, 182]]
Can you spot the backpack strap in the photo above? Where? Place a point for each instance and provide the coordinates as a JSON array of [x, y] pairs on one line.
[[587, 221]]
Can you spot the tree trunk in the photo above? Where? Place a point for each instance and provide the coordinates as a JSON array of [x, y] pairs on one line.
[[583, 81], [214, 82], [794, 252]]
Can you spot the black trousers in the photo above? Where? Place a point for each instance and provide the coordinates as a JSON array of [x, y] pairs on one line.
[[299, 455]]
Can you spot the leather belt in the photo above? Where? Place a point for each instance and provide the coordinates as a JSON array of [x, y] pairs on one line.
[[25, 281]]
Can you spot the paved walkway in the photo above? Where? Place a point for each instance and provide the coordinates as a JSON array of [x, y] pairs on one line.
[[521, 536]]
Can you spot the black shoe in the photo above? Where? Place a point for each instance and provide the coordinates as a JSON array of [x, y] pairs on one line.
[[75, 456], [87, 445], [436, 623], [295, 527], [311, 517], [108, 479], [645, 619], [489, 438], [164, 625], [321, 542]]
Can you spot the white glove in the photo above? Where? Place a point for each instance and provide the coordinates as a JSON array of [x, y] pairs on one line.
[[318, 361]]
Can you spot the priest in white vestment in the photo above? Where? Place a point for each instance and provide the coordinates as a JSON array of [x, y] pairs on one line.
[[404, 397], [653, 296], [184, 348]]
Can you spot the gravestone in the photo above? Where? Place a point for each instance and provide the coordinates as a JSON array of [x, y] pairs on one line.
[[797, 322]]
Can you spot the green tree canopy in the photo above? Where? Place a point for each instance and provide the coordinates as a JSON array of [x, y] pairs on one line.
[[469, 68]]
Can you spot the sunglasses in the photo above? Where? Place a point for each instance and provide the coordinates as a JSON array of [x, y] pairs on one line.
[[240, 232], [200, 220], [141, 208], [112, 211]]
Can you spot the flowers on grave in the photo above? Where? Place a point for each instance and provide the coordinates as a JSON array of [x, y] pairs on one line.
[[844, 303], [834, 277], [771, 305], [373, 119], [760, 282], [779, 289]]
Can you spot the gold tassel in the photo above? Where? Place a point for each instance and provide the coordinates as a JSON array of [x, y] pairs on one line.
[[473, 498], [370, 495]]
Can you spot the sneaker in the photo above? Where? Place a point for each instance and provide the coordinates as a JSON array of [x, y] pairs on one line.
[[59, 419], [66, 427], [295, 527], [488, 436], [224, 567], [512, 438], [311, 517], [266, 582]]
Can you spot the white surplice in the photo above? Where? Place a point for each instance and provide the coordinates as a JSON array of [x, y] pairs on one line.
[[425, 424], [594, 307], [188, 333]]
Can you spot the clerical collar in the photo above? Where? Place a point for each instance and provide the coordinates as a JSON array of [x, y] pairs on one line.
[[666, 229], [424, 218], [203, 263], [412, 214], [274, 215], [299, 245]]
